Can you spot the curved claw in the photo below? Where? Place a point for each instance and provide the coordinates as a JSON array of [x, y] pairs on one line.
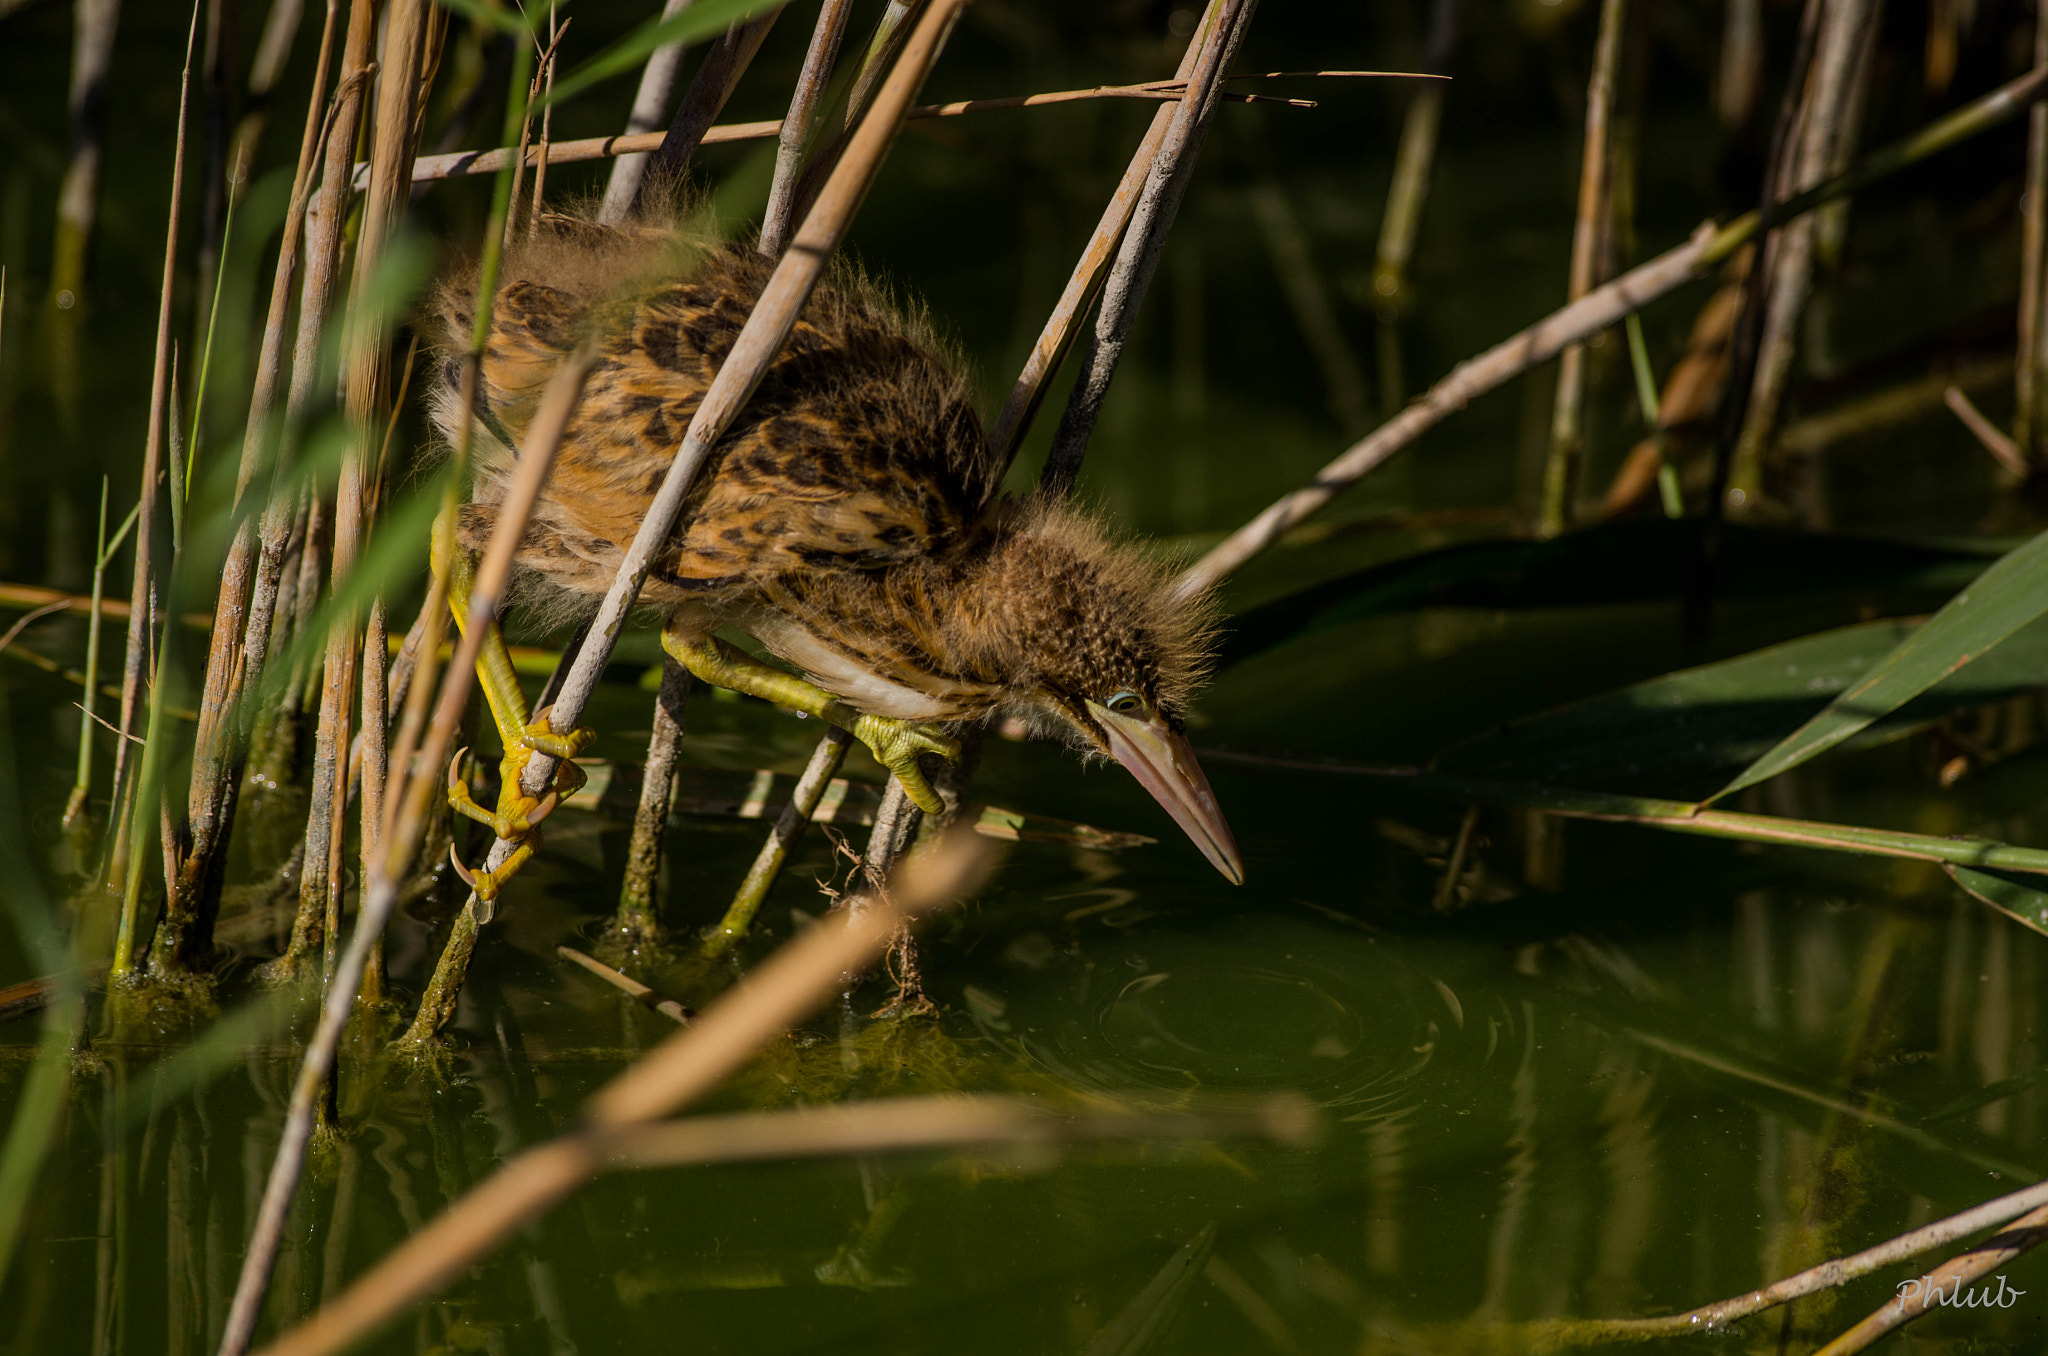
[[468, 877]]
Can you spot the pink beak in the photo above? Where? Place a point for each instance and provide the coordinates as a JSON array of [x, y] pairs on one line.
[[1165, 765]]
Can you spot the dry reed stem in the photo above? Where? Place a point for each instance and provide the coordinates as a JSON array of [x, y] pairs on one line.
[[1830, 95], [1835, 1272], [1138, 255], [2030, 367], [1948, 1279], [713, 84], [631, 987], [1567, 416], [141, 624], [1007, 433], [650, 107], [796, 125], [460, 164], [273, 49], [2005, 451], [1598, 309], [767, 1002]]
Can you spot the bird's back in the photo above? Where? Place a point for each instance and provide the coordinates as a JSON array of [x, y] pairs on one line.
[[859, 448]]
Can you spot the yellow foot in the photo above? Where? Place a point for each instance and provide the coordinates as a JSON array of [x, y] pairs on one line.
[[518, 815], [896, 745]]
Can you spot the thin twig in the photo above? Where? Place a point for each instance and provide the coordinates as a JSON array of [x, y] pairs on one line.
[[789, 825], [460, 164], [2005, 451], [30, 619], [1944, 1284]]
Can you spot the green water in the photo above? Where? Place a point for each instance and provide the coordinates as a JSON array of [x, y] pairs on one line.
[[1625, 1073]]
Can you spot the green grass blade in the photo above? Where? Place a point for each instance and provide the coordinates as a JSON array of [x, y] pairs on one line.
[[1999, 602]]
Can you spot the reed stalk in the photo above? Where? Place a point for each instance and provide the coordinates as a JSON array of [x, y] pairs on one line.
[[1407, 194], [1138, 256], [650, 107], [638, 920], [273, 49], [1595, 210], [798, 124], [1597, 310], [713, 84], [88, 736], [1822, 132], [2030, 365], [789, 826], [124, 869]]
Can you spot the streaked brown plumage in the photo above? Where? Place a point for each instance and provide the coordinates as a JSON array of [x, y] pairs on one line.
[[848, 520]]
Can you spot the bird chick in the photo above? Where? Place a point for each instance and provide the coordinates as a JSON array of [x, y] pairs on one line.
[[848, 520]]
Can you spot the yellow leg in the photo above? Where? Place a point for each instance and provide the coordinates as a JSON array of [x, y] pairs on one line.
[[895, 743], [517, 814]]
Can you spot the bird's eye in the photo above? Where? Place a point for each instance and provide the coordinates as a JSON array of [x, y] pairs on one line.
[[1126, 703]]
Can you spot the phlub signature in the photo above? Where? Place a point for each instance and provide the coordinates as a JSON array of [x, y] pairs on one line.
[[1922, 1294]]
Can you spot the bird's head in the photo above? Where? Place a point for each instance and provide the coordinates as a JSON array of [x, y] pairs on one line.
[[1105, 654]]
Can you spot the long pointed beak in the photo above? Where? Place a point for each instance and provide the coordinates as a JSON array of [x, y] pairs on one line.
[[1165, 765]]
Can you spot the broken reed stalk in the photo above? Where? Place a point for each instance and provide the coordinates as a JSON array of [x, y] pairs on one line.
[[1598, 309], [1828, 1275], [125, 864], [650, 106], [774, 315], [1138, 256], [1830, 95], [713, 84], [789, 826], [1567, 414], [796, 125], [1006, 435], [1407, 193], [772, 997], [2030, 366]]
